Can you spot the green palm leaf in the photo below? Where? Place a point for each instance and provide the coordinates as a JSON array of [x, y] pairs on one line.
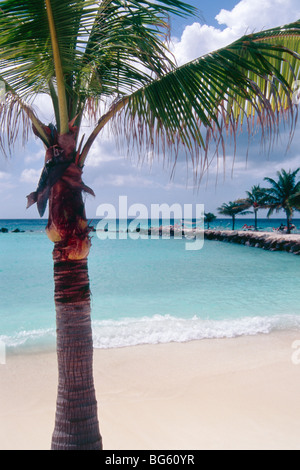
[[295, 200], [93, 38], [193, 104], [116, 51], [249, 81], [107, 48]]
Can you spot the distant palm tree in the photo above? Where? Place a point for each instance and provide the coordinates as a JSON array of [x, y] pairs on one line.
[[109, 61], [283, 194], [232, 209], [209, 218], [256, 198]]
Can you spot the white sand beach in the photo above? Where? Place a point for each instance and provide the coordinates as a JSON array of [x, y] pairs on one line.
[[240, 393]]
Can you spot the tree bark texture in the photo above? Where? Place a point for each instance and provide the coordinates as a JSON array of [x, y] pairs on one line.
[[76, 425]]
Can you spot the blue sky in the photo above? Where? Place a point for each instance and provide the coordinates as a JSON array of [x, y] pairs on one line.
[[111, 173]]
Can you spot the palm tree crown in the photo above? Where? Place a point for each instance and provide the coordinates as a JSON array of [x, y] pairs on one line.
[[283, 193], [209, 218], [256, 198], [232, 209]]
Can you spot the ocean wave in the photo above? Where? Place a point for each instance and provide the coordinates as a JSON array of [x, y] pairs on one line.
[[166, 329], [33, 340], [158, 329]]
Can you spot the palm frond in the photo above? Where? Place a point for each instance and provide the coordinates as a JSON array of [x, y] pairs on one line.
[[26, 58], [13, 121], [98, 40], [249, 82], [117, 49], [17, 118], [295, 201], [127, 47]]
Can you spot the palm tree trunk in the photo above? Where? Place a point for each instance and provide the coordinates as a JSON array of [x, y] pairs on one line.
[[255, 212], [288, 222], [233, 222], [76, 425]]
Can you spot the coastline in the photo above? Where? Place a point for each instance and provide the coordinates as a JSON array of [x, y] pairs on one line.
[[239, 393]]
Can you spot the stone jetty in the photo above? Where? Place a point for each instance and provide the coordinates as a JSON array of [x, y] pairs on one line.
[[270, 241]]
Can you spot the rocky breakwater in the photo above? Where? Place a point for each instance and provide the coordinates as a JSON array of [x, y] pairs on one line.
[[266, 240], [16, 230]]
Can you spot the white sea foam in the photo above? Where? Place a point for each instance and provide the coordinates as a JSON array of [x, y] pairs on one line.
[[157, 330], [166, 329], [35, 340]]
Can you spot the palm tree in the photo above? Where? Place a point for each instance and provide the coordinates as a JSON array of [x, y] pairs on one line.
[[209, 218], [283, 194], [109, 60], [232, 209], [256, 198]]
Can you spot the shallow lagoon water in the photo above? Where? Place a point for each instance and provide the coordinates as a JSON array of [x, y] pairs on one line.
[[149, 291]]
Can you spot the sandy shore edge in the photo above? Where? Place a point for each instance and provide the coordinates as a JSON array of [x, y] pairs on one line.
[[240, 393]]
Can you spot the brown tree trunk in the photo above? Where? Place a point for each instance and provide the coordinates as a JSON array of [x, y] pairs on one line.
[[76, 425], [288, 222]]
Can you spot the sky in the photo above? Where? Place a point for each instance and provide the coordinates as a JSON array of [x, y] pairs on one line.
[[112, 173]]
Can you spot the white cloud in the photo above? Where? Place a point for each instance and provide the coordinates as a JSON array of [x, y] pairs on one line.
[[35, 157], [246, 17], [4, 176], [256, 15], [29, 175], [197, 40], [6, 186], [126, 180], [240, 174], [101, 154], [6, 183]]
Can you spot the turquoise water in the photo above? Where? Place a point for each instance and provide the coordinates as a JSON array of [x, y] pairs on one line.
[[149, 291]]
